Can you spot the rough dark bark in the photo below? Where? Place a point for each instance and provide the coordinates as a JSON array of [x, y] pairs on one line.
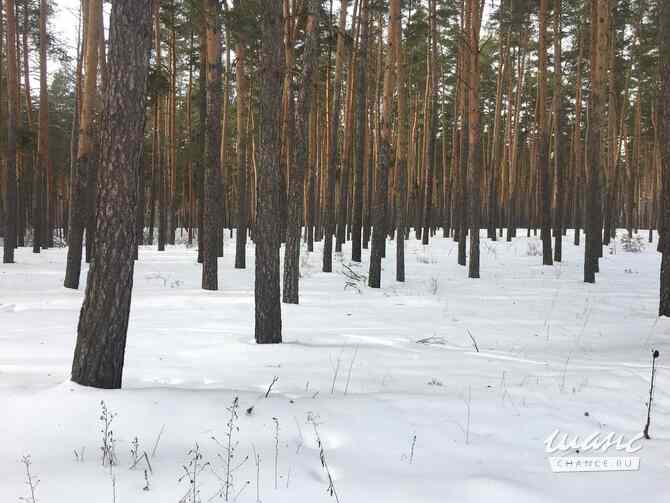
[[543, 140], [212, 214], [242, 81], [333, 159], [381, 194], [431, 127], [81, 178], [664, 227], [40, 215], [558, 155], [401, 160], [103, 322], [267, 226], [360, 126], [600, 17], [9, 241], [474, 142], [297, 173]]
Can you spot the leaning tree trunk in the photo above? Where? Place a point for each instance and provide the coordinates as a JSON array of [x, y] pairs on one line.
[[9, 242], [81, 179], [103, 323], [297, 177], [267, 226], [211, 224]]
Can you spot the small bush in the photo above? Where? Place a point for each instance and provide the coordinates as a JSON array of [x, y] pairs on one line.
[[632, 244], [534, 249]]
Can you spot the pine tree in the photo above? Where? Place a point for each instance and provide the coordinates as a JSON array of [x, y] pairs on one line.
[[103, 322], [267, 227]]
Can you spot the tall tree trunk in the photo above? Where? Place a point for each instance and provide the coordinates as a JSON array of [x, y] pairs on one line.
[[558, 155], [431, 125], [463, 138], [81, 181], [103, 322], [379, 209], [543, 138], [578, 145], [361, 131], [212, 224], [297, 173], [40, 217], [600, 27], [9, 241], [474, 140], [242, 82], [267, 224], [329, 210], [401, 159], [664, 303]]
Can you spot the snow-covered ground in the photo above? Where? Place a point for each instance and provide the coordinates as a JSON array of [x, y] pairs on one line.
[[407, 410]]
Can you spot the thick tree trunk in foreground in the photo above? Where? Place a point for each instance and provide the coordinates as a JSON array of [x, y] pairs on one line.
[[103, 323], [9, 241], [664, 304], [212, 182], [267, 228], [297, 175], [81, 179]]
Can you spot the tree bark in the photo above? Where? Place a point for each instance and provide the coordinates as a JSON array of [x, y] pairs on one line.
[[379, 208], [242, 188], [664, 303], [474, 141], [543, 138], [212, 180], [9, 241], [297, 172], [600, 18], [267, 225], [329, 206], [103, 322], [81, 179], [361, 126], [558, 155]]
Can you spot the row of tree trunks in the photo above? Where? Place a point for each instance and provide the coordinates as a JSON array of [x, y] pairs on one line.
[[298, 167], [9, 241], [84, 167], [212, 216]]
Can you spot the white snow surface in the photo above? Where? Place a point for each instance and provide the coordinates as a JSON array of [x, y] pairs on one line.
[[389, 376]]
